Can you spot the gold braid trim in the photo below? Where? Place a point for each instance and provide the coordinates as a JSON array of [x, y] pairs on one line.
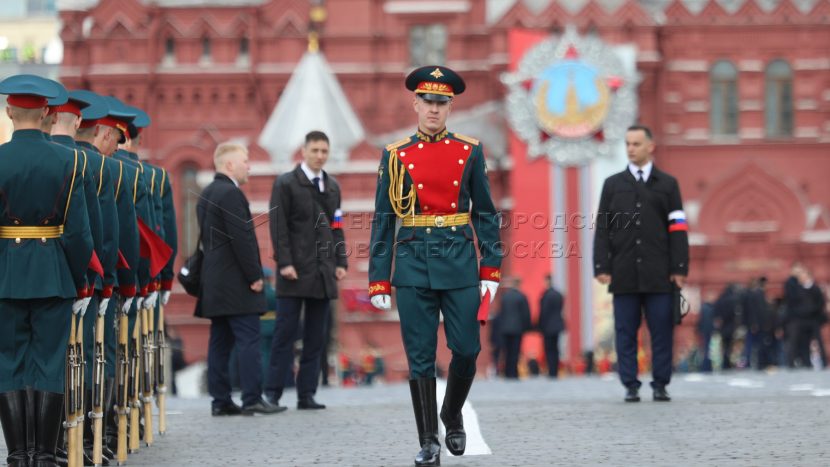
[[403, 205]]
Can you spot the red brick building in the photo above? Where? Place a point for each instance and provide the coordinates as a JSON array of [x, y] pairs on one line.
[[738, 93]]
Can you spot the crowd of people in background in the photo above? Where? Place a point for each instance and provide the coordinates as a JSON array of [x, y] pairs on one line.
[[783, 331]]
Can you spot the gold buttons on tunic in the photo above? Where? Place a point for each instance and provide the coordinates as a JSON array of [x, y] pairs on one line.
[[420, 186], [446, 141], [43, 239], [455, 182], [411, 166], [429, 230], [16, 240], [426, 208], [420, 145], [466, 147], [452, 205], [403, 154], [453, 228], [460, 161]]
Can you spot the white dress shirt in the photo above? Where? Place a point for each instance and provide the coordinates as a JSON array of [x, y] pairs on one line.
[[311, 175], [633, 168]]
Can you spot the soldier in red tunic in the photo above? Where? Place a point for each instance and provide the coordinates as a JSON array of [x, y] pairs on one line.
[[435, 183]]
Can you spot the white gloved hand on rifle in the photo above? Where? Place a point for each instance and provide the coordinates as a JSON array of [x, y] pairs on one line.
[[102, 307], [80, 305]]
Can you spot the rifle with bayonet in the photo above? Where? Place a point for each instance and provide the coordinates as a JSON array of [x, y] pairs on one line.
[[161, 385], [80, 390], [147, 372], [70, 399], [122, 379], [97, 412], [135, 372]]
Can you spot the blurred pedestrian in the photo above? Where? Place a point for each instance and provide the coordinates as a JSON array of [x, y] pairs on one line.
[[754, 309], [551, 324], [641, 250], [800, 316], [726, 318], [818, 303], [514, 316], [705, 329]]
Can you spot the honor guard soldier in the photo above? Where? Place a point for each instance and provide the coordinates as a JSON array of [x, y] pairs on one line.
[[99, 133], [68, 120], [435, 184], [46, 246]]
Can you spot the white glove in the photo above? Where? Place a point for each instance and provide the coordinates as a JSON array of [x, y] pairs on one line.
[[127, 304], [382, 302], [139, 303], [80, 305], [102, 307], [150, 300], [491, 286], [165, 297]]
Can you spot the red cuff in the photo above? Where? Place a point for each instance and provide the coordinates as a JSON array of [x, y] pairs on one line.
[[167, 284], [380, 288], [84, 292], [487, 273], [144, 291], [126, 291], [106, 291]]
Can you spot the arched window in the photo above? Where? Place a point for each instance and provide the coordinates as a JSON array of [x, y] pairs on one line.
[[189, 196], [243, 58], [169, 51], [778, 112], [205, 49], [723, 106]]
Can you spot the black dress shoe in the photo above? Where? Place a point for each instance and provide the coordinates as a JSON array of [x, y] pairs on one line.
[[226, 410], [262, 407], [661, 395], [308, 403], [632, 394]]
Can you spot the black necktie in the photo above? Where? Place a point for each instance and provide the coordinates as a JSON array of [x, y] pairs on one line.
[[640, 176], [316, 182]]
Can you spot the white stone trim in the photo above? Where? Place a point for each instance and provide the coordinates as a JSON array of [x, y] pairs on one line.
[[816, 236], [673, 97], [751, 65], [426, 6], [751, 133], [806, 104], [697, 134], [700, 66], [696, 106], [750, 105], [812, 64], [806, 132]]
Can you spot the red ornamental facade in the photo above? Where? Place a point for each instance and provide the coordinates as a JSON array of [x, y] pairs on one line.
[[737, 92]]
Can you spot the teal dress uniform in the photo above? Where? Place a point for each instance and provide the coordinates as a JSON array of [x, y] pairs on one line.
[[434, 254], [435, 189], [45, 249]]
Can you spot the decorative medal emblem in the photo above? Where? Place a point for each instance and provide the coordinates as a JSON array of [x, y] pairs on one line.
[[571, 99], [437, 73]]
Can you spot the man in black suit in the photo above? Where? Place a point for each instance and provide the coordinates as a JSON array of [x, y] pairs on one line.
[[551, 324], [231, 293], [641, 248], [307, 235]]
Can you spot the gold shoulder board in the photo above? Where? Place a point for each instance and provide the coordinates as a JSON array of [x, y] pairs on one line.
[[467, 139], [397, 144]]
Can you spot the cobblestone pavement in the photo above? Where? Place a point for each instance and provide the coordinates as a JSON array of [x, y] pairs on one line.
[[740, 419]]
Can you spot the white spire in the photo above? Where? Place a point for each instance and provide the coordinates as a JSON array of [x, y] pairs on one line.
[[312, 100]]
